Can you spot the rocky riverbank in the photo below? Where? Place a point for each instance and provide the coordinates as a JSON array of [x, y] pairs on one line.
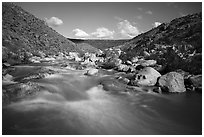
[[140, 74]]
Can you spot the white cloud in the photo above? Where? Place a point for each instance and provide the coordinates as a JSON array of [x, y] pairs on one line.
[[80, 33], [149, 12], [126, 29], [103, 33], [54, 21], [156, 24]]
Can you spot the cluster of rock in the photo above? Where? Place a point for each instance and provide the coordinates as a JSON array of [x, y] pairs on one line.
[[142, 72], [146, 73]]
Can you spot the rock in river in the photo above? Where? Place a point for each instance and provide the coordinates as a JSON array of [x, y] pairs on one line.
[[172, 82], [196, 81], [91, 72], [123, 67], [123, 80], [146, 77], [147, 63]]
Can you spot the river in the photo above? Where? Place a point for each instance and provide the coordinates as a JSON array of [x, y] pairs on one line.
[[72, 103]]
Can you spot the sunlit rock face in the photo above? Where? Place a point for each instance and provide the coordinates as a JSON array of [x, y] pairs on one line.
[[147, 77], [91, 72], [172, 82]]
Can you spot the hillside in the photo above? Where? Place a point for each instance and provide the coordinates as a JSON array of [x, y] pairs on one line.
[[100, 44], [85, 47], [24, 34], [176, 45]]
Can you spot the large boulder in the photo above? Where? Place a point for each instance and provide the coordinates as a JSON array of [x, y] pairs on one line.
[[146, 77], [172, 82], [196, 81]]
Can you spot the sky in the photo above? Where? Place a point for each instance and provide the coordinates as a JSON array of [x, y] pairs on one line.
[[108, 20]]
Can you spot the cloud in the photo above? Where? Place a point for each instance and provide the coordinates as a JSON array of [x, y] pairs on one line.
[[127, 30], [80, 33], [149, 12], [156, 24], [54, 21], [103, 32]]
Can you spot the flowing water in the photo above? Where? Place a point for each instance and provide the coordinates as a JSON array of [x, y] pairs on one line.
[[71, 103]]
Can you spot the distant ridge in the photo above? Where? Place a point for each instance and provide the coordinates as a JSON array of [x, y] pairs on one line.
[[100, 43]]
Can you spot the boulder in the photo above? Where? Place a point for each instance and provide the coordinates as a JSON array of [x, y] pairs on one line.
[[132, 69], [146, 77], [139, 67], [7, 77], [128, 62], [93, 57], [123, 68], [49, 59], [158, 67], [185, 75], [75, 56], [111, 63], [123, 80], [6, 65], [113, 86], [147, 63], [35, 59], [146, 54], [88, 62], [91, 72], [172, 82], [196, 81], [134, 59]]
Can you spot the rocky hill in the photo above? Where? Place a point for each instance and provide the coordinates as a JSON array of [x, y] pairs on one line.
[[25, 35], [100, 44], [175, 45]]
